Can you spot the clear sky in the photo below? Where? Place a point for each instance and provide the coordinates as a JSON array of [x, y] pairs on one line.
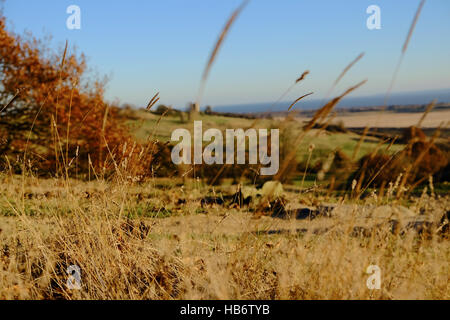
[[149, 46]]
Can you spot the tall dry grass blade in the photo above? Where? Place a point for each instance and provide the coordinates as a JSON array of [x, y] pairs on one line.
[[296, 101], [326, 124], [221, 39], [216, 49], [299, 79], [419, 159], [360, 142], [150, 137], [302, 77], [84, 117], [404, 49], [413, 26], [61, 67], [63, 60], [105, 119], [347, 68], [343, 73], [391, 143], [11, 101], [58, 146], [68, 130], [102, 136], [323, 112], [310, 151], [153, 101], [428, 110], [361, 192]]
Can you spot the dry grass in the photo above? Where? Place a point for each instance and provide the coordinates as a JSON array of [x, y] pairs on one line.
[[216, 50], [347, 68], [295, 102], [206, 252], [404, 49], [154, 100]]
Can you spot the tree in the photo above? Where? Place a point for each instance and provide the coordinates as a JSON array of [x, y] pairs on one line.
[[208, 110], [50, 112]]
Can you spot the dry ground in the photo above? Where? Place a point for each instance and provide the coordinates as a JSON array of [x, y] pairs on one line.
[[146, 242]]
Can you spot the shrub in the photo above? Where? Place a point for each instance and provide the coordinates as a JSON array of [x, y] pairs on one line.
[[50, 112], [208, 110], [423, 157], [412, 133]]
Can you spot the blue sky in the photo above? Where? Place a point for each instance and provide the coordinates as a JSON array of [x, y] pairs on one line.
[[149, 46]]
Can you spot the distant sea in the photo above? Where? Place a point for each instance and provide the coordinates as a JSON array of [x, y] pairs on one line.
[[404, 98]]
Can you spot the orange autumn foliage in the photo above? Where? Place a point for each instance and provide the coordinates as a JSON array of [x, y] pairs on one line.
[[50, 113]]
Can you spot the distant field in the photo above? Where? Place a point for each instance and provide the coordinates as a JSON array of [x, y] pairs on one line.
[[146, 125], [391, 119]]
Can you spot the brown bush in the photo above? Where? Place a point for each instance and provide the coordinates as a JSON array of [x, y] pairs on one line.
[[50, 113], [424, 158], [412, 133], [433, 160]]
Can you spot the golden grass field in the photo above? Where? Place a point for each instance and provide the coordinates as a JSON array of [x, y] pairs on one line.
[[169, 250], [160, 239]]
